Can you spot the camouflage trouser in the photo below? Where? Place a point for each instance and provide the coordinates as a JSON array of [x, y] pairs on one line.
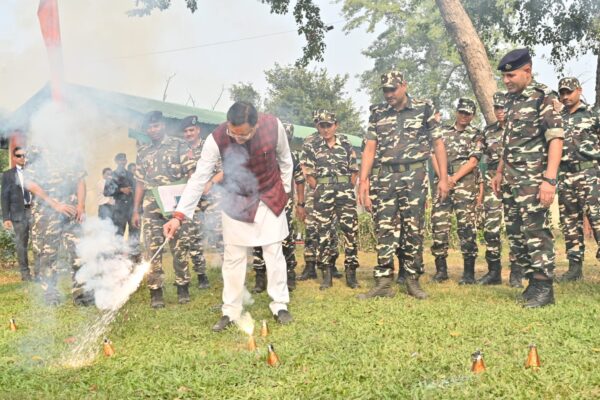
[[288, 245], [578, 196], [211, 221], [400, 202], [50, 231], [462, 201], [337, 200], [492, 220], [311, 241], [193, 239], [153, 237], [528, 226]]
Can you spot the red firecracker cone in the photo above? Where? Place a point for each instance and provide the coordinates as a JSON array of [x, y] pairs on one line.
[[478, 364]]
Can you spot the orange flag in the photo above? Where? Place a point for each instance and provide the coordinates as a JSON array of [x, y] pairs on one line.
[[50, 26]]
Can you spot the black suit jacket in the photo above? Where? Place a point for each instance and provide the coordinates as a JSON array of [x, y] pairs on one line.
[[13, 204]]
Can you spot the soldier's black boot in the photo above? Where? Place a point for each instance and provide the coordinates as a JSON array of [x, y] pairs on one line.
[[413, 288], [468, 277], [309, 272], [327, 277], [183, 294], [574, 273], [401, 275], [291, 279], [541, 294], [516, 276], [260, 282], [351, 281], [493, 276], [382, 288], [441, 270], [203, 282], [156, 298], [334, 271]]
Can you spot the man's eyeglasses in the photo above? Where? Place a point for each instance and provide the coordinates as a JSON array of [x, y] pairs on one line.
[[242, 137], [325, 125], [20, 155]]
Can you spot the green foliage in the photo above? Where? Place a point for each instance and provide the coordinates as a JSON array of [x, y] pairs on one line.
[[306, 14], [245, 92], [294, 93]]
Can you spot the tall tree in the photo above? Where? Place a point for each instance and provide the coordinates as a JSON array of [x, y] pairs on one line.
[[294, 93], [245, 92], [306, 13]]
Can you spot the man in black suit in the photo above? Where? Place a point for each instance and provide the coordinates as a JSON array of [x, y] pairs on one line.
[[16, 209]]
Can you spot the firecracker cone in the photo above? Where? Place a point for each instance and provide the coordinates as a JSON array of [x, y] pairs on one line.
[[251, 343], [109, 350], [12, 325], [478, 364], [272, 358], [264, 330], [533, 359]]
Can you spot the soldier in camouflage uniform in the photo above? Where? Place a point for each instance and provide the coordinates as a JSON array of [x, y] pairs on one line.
[[463, 147], [193, 232], [161, 162], [331, 170], [533, 141], [289, 243], [492, 205], [400, 135], [579, 184], [58, 184]]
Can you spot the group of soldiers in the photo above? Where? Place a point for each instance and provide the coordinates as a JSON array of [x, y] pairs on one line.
[[511, 168]]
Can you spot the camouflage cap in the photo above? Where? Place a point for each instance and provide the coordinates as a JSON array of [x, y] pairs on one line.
[[289, 131], [322, 115], [499, 99], [152, 117], [514, 60], [391, 79], [192, 120], [569, 83], [466, 105]]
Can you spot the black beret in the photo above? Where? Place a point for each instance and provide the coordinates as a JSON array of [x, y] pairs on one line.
[[153, 117], [514, 60], [192, 120]]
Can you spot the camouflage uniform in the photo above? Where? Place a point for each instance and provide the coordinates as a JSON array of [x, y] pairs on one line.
[[579, 184], [460, 146], [531, 123], [160, 164], [51, 230], [332, 168]]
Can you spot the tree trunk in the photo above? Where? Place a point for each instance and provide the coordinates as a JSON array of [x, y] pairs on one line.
[[472, 52], [598, 80]]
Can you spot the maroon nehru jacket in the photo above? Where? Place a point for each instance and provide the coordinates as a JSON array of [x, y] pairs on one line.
[[250, 171]]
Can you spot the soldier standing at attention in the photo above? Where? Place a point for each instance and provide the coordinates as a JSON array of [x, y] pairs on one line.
[[579, 184], [161, 162], [400, 136], [463, 146], [492, 205], [331, 171], [533, 142], [289, 244]]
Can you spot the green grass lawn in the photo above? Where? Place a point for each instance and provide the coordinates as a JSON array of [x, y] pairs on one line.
[[337, 348]]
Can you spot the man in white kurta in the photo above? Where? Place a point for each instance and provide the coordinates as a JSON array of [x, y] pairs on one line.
[[267, 230]]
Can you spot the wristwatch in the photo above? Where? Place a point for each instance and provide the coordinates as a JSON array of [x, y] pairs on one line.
[[549, 180], [301, 204]]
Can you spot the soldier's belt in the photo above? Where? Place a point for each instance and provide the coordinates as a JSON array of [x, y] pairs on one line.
[[328, 180], [576, 167], [403, 167]]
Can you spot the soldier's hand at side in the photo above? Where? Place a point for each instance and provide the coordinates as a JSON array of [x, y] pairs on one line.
[[65, 209], [80, 216], [126, 190], [300, 213], [135, 219], [443, 189], [546, 194], [171, 228], [496, 183], [363, 195], [7, 224]]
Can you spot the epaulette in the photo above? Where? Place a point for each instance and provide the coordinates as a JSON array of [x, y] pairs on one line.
[[540, 87], [377, 107], [422, 102]]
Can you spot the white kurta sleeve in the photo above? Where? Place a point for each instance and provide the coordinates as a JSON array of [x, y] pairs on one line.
[[209, 157], [284, 158]]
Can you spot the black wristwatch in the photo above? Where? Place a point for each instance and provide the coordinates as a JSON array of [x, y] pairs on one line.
[[301, 204], [550, 181]]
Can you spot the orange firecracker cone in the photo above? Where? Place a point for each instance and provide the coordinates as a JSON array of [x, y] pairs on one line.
[[478, 364], [12, 325], [272, 358], [264, 330], [533, 359], [251, 343], [109, 350]]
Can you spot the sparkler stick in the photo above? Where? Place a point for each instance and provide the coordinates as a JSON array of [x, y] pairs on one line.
[[159, 250]]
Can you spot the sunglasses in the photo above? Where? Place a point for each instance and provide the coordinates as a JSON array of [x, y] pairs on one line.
[[389, 90], [325, 125], [20, 155], [242, 137]]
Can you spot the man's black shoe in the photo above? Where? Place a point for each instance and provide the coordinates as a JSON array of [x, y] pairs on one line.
[[222, 324], [203, 282], [283, 317]]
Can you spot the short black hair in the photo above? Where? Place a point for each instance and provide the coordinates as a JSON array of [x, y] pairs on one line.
[[106, 169], [242, 112], [120, 156], [17, 149]]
